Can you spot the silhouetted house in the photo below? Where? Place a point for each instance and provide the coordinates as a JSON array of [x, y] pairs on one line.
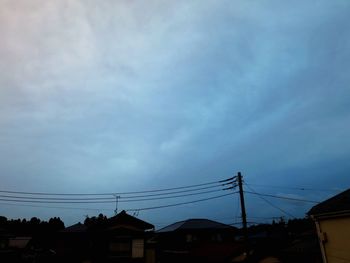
[[196, 240], [332, 218], [122, 238], [4, 239], [12, 247], [74, 244]]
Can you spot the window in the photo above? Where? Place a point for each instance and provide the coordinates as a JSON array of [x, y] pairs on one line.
[[120, 247], [137, 248]]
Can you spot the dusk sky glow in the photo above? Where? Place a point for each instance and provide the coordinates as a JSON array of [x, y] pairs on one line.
[[115, 96]]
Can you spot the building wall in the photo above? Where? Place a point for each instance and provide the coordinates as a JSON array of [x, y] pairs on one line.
[[335, 233]]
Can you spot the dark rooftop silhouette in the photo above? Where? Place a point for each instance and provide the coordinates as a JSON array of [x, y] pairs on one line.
[[76, 228], [335, 204], [195, 224], [124, 218]]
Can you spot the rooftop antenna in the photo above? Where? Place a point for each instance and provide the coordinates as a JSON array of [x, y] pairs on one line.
[[116, 204]]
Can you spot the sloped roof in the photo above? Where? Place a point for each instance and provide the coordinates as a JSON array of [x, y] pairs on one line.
[[335, 204], [125, 219], [195, 224], [76, 228]]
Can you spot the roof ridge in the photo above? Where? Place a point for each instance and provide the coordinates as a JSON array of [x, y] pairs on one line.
[[194, 223], [332, 204]]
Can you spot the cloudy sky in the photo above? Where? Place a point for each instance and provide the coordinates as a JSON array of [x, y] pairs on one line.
[[113, 96]]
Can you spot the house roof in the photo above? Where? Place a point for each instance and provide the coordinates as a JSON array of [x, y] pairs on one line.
[[336, 204], [195, 224], [76, 228], [125, 219], [119, 221]]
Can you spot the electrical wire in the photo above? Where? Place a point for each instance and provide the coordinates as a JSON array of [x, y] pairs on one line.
[[56, 202], [176, 192], [92, 200], [278, 208], [177, 204], [295, 188], [57, 198], [174, 196], [267, 201], [19, 200], [107, 198], [283, 197], [120, 193], [58, 207]]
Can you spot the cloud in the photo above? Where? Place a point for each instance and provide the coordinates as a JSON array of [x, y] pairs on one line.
[[93, 96]]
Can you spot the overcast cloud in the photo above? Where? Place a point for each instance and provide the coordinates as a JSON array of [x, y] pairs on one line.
[[131, 95]]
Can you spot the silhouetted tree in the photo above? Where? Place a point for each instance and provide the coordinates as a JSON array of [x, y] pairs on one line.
[[3, 221], [56, 223], [32, 227], [95, 222], [299, 225]]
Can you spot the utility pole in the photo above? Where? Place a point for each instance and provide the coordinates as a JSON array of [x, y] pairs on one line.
[[244, 216]]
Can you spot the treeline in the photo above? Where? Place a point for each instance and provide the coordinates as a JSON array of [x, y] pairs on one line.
[[32, 226], [95, 220], [35, 225], [292, 226]]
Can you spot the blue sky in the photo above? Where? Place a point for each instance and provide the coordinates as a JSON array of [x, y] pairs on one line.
[[132, 95]]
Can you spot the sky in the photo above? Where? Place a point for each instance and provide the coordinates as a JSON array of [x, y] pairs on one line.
[[118, 96]]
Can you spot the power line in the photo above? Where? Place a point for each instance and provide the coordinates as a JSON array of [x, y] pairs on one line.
[[95, 200], [120, 193], [283, 197], [275, 206], [267, 201], [159, 194], [177, 204], [111, 198], [58, 207], [176, 192], [57, 198], [174, 196], [295, 188], [56, 202]]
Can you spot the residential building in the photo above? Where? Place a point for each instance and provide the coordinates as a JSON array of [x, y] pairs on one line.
[[122, 238], [332, 219], [196, 240]]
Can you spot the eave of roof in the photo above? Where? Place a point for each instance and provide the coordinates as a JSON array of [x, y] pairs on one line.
[[335, 205], [76, 228], [344, 213], [124, 218], [195, 224]]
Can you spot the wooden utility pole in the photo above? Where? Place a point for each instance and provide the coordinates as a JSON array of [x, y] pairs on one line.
[[244, 216]]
